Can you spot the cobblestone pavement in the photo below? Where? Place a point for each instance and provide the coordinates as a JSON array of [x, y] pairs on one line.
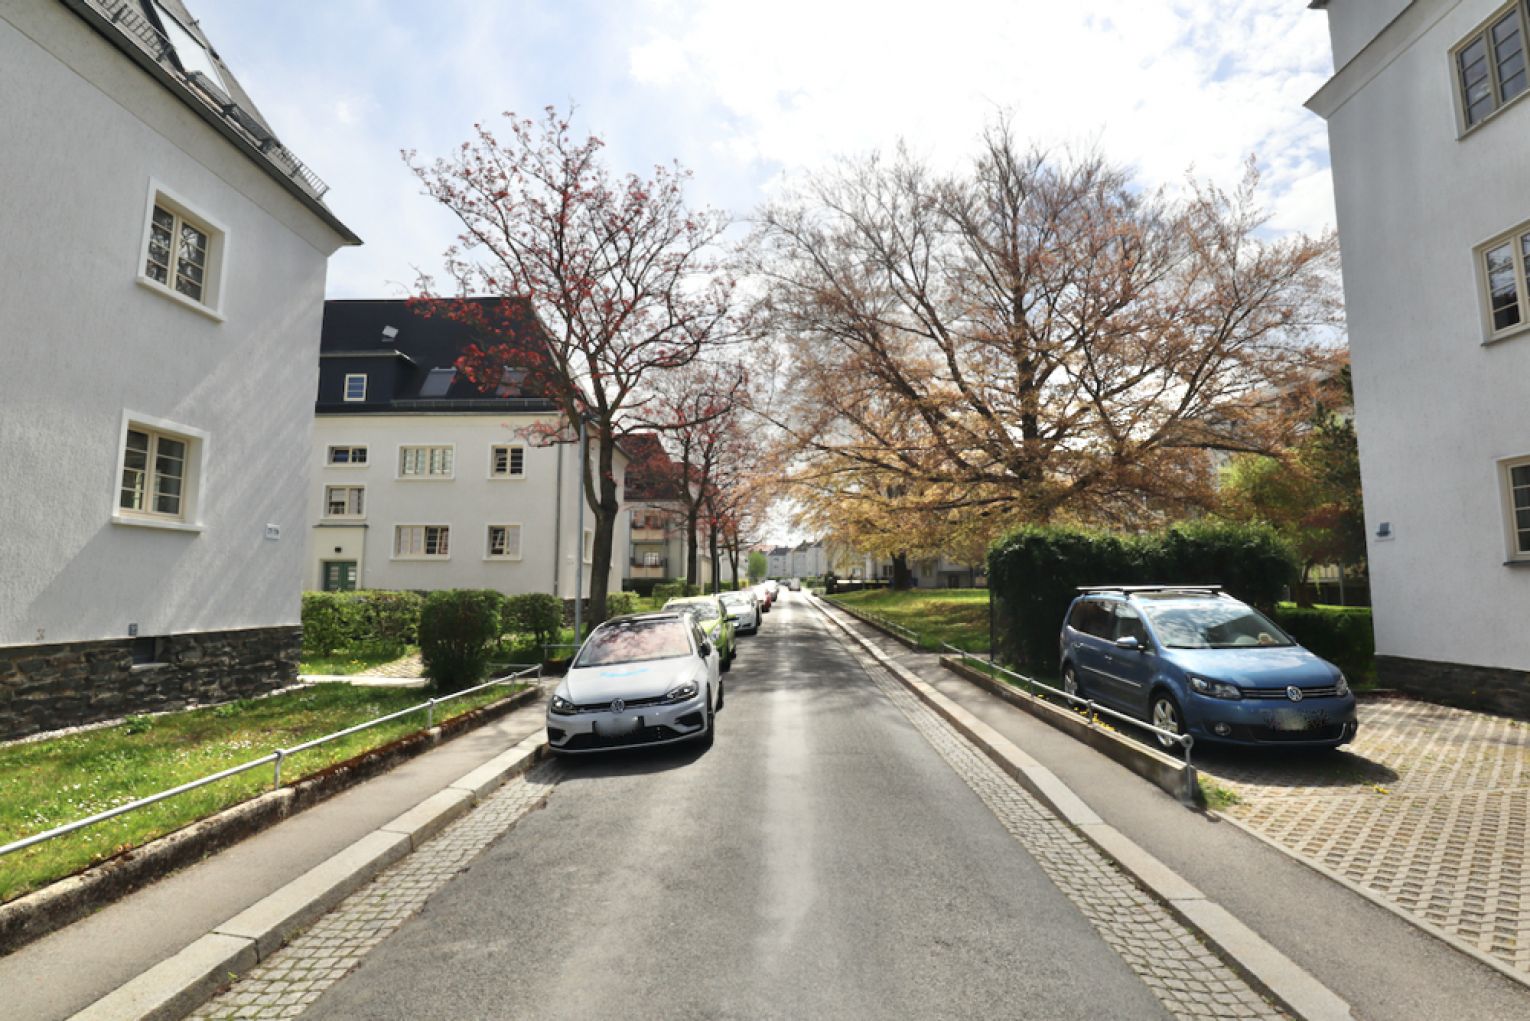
[[1429, 808], [295, 976], [1188, 979], [409, 666]]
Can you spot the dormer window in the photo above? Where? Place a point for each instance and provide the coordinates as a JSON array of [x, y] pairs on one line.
[[356, 387]]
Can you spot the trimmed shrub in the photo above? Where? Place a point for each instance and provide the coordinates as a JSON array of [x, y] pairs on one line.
[[674, 590], [392, 618], [618, 603], [456, 628], [331, 621], [1035, 572], [1341, 635], [536, 613]]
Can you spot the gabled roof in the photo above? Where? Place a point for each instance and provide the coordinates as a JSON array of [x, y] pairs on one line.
[[423, 350], [652, 475]]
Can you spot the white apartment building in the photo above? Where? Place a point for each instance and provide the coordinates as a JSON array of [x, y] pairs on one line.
[[162, 265], [419, 480], [1429, 127]]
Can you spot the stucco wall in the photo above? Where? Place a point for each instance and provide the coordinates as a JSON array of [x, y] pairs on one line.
[[1435, 406], [1353, 23], [86, 132], [469, 502]]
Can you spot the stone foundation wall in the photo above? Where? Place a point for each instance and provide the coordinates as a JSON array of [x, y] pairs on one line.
[[48, 687], [1494, 690]]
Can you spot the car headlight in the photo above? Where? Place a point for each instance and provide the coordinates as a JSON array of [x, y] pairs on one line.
[[1214, 689], [563, 707], [683, 693], [1341, 687]]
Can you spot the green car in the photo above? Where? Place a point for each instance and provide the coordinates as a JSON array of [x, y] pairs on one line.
[[714, 620]]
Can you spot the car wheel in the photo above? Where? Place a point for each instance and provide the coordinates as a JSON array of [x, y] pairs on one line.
[[710, 735], [1070, 682], [726, 663], [1165, 715]]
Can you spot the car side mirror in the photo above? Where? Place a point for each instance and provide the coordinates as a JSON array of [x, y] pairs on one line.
[[1129, 642], [704, 650]]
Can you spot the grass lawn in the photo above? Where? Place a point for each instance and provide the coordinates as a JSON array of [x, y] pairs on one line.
[[48, 783], [957, 616], [354, 661]]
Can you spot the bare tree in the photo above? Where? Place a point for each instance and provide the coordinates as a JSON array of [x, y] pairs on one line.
[[620, 274]]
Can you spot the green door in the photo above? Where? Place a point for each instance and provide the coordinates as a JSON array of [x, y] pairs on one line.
[[339, 575]]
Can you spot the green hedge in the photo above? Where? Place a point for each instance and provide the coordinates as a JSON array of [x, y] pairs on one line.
[[456, 629], [365, 619], [535, 613], [1340, 634], [674, 590], [1035, 572], [618, 603]]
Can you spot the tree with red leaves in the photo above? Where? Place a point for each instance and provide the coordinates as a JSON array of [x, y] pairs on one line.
[[621, 280]]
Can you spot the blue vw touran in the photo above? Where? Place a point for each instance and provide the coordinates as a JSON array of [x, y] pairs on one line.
[[1197, 661]]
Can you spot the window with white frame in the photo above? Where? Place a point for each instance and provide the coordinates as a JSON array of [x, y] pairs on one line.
[[183, 252], [425, 462], [344, 501], [347, 457], [1490, 64], [422, 541], [1515, 480], [507, 461], [1503, 262], [504, 542], [589, 545], [355, 386], [159, 473]]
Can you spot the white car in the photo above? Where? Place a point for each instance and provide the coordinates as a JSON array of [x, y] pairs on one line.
[[745, 608], [644, 679]]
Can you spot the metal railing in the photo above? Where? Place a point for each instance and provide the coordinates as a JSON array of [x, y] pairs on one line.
[[909, 634], [273, 759], [1092, 709]]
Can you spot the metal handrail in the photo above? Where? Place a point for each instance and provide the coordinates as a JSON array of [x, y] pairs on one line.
[[877, 619], [274, 758]]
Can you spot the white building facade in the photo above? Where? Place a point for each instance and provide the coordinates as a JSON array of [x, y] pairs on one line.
[[1429, 128], [162, 267], [419, 481]]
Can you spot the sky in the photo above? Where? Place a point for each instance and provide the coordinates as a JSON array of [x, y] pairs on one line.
[[748, 95]]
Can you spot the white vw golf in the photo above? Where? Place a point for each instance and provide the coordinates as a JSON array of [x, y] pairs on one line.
[[645, 679]]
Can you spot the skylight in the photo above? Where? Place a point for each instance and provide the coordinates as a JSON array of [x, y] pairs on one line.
[[191, 53], [438, 382]]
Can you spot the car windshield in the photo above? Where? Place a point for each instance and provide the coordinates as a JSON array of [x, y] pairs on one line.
[[735, 600], [633, 641], [1222, 624], [701, 611]]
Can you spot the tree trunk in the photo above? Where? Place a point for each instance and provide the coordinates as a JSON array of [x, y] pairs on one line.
[[712, 549], [606, 508], [901, 579], [692, 546]]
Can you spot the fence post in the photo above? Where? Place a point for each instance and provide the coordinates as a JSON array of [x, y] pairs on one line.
[[1090, 704], [430, 713], [1190, 780], [276, 779]]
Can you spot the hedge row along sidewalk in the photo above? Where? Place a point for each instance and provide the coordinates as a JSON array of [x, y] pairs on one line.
[[48, 783]]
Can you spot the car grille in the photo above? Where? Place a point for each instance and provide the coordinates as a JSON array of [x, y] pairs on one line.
[[643, 735], [1327, 691], [1331, 733], [631, 703]]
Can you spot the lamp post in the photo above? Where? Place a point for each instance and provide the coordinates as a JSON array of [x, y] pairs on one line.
[[584, 456]]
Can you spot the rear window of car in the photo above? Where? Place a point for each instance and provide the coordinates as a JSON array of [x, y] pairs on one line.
[[1213, 624], [701, 611], [635, 641]]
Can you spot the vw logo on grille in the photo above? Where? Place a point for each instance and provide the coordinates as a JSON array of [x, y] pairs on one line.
[[617, 705], [1294, 693]]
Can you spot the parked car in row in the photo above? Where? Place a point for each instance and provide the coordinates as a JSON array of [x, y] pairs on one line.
[[765, 595], [716, 623], [1198, 661], [641, 679], [745, 607]]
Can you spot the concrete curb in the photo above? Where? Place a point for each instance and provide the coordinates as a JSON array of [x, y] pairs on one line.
[[173, 988], [66, 900], [1244, 950]]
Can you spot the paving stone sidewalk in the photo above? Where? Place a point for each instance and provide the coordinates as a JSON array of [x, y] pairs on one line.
[[1429, 809]]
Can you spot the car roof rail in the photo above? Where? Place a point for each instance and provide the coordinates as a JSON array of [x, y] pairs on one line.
[[1128, 589]]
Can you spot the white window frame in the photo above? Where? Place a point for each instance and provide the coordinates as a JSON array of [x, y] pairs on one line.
[[345, 389], [1514, 238], [424, 537], [360, 515], [193, 493], [329, 456], [488, 535], [1482, 31], [450, 448], [507, 474], [589, 545], [214, 273], [1506, 497]]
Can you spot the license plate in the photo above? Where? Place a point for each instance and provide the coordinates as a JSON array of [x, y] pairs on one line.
[[1291, 720]]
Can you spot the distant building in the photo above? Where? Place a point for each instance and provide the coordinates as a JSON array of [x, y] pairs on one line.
[[420, 480], [164, 257], [1429, 130]]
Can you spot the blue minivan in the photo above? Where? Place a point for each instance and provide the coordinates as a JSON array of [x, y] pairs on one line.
[[1195, 660]]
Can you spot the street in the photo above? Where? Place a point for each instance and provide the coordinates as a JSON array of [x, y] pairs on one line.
[[825, 859]]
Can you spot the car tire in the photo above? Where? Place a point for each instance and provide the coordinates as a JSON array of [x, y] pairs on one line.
[[726, 664], [1165, 714], [709, 736], [721, 692]]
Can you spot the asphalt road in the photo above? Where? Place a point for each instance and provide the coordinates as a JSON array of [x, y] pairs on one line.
[[821, 860]]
